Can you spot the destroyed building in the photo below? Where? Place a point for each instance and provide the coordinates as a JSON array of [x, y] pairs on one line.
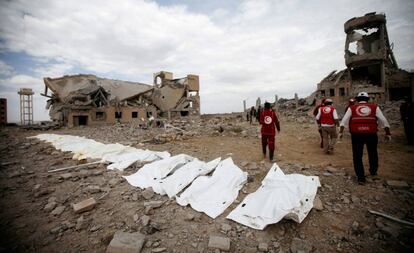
[[90, 100], [371, 65]]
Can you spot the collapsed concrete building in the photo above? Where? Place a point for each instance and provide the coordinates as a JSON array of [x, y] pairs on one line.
[[90, 100], [371, 65]]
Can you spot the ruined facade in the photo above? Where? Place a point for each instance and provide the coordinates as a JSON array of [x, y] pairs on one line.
[[3, 111], [371, 65], [91, 100]]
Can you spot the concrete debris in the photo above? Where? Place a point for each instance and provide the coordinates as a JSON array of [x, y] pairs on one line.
[[126, 243], [148, 193], [85, 205], [263, 247], [398, 184], [317, 203], [58, 210], [300, 246], [218, 242]]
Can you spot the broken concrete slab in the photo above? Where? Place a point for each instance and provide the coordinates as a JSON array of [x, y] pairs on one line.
[[126, 243], [398, 184], [85, 205], [58, 210], [218, 242]]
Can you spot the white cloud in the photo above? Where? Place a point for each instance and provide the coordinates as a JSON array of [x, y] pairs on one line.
[[5, 69], [258, 48]]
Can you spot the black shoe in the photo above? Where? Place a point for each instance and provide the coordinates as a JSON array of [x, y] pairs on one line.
[[361, 181]]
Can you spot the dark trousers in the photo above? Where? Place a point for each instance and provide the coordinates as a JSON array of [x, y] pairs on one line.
[[268, 140], [358, 141]]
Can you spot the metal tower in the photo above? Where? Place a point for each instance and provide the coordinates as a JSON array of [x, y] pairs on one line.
[[26, 106]]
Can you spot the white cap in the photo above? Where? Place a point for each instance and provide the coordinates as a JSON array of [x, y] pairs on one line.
[[363, 94]]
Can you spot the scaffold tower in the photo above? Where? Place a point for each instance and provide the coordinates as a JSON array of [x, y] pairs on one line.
[[26, 106]]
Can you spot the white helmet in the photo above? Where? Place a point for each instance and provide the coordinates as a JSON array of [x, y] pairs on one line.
[[363, 94]]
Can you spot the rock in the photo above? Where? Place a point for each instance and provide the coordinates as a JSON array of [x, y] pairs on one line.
[[58, 210], [244, 163], [113, 182], [15, 174], [317, 203], [93, 189], [398, 184], [156, 250], [147, 193], [80, 223], [345, 199], [299, 245], [153, 204], [66, 176], [327, 174], [85, 205], [331, 169], [225, 227], [135, 217], [355, 200], [189, 217], [95, 228], [145, 219], [263, 247], [52, 199], [218, 242], [50, 206], [55, 230], [355, 225], [135, 196], [126, 243]]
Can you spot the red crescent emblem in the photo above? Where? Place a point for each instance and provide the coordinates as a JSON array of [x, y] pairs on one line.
[[363, 110], [267, 120], [326, 109]]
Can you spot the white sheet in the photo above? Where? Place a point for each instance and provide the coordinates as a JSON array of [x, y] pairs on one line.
[[212, 195], [119, 155], [280, 196], [150, 174], [183, 176]]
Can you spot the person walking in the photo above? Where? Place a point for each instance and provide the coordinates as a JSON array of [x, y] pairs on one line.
[[363, 120], [328, 121], [269, 122], [252, 114], [315, 112], [407, 117], [258, 113]]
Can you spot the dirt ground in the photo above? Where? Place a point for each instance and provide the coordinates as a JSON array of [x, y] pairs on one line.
[[343, 225]]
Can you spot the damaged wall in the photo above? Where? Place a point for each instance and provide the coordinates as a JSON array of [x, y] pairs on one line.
[[90, 100], [371, 65]]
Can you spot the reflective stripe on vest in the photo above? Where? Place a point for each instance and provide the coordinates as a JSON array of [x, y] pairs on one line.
[[363, 119]]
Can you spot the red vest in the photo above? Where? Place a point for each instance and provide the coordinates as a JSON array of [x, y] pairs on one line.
[[363, 119], [327, 113], [268, 120]]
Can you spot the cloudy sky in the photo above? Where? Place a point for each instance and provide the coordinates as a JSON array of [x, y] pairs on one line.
[[240, 49]]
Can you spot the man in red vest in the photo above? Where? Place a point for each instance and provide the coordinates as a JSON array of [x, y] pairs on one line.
[[327, 118], [269, 122], [363, 119], [315, 112]]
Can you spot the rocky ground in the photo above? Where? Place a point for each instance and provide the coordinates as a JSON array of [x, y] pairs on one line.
[[36, 212]]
